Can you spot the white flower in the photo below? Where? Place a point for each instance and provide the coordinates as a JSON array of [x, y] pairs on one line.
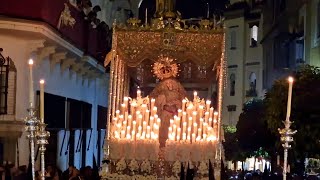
[[203, 168], [134, 166], [176, 167], [121, 165], [145, 166]]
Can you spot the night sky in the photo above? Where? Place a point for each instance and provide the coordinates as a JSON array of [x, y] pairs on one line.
[[188, 8]]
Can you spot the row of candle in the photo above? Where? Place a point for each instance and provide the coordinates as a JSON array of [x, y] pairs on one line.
[[196, 121], [141, 122], [31, 92]]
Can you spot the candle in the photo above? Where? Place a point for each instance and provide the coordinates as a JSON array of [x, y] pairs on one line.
[[208, 102], [123, 108], [179, 112], [184, 116], [151, 122], [134, 125], [195, 127], [170, 130], [215, 117], [195, 95], [148, 130], [183, 105], [184, 128], [206, 116], [146, 21], [128, 129], [211, 112], [152, 103], [144, 126], [290, 80], [199, 132], [179, 132], [210, 122], [129, 117], [190, 122], [122, 134], [121, 119], [154, 110], [194, 116], [31, 93], [126, 99], [42, 101], [133, 134], [193, 138], [139, 118], [138, 94], [117, 114]]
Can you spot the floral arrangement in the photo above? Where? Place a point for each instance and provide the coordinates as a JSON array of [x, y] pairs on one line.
[[133, 165], [203, 168], [176, 169], [121, 165], [145, 166]]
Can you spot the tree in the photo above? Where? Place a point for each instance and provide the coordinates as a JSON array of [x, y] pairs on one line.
[[231, 146], [252, 131], [305, 111]]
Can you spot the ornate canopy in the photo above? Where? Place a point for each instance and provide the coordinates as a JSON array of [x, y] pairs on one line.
[[203, 48]]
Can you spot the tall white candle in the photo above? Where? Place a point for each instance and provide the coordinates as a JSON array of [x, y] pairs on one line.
[[146, 21], [42, 101], [138, 94], [31, 93], [195, 95], [290, 80]]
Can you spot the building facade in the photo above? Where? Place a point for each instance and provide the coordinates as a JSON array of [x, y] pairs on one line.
[[290, 37], [244, 58], [68, 43]]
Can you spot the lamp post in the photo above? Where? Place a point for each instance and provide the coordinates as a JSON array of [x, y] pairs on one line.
[[286, 133]]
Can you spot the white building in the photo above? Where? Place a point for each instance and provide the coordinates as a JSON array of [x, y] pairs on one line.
[[75, 95], [244, 58]]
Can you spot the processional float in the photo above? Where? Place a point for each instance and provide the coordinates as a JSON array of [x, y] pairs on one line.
[[158, 130]]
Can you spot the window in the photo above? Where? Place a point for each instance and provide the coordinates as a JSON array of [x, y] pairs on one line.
[[252, 92], [254, 36], [232, 84], [233, 42], [4, 73], [300, 51]]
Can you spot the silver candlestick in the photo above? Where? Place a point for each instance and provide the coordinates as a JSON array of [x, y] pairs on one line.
[[32, 127], [42, 141], [286, 138]]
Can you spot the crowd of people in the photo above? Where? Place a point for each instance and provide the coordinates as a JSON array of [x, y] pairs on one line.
[[10, 172]]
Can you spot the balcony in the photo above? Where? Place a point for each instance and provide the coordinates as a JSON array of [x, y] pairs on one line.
[[92, 40], [251, 93]]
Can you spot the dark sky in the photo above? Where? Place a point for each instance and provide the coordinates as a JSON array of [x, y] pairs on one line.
[[188, 8]]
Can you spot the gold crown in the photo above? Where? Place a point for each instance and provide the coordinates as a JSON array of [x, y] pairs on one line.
[[165, 68]]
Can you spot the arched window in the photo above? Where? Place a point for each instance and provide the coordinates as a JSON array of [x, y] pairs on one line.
[[254, 36], [252, 81], [252, 92], [232, 84]]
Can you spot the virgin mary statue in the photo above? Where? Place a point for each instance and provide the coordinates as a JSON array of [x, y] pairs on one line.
[[168, 94]]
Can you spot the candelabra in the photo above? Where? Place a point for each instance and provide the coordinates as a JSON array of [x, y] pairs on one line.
[[37, 132], [42, 141], [32, 128], [286, 137]]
